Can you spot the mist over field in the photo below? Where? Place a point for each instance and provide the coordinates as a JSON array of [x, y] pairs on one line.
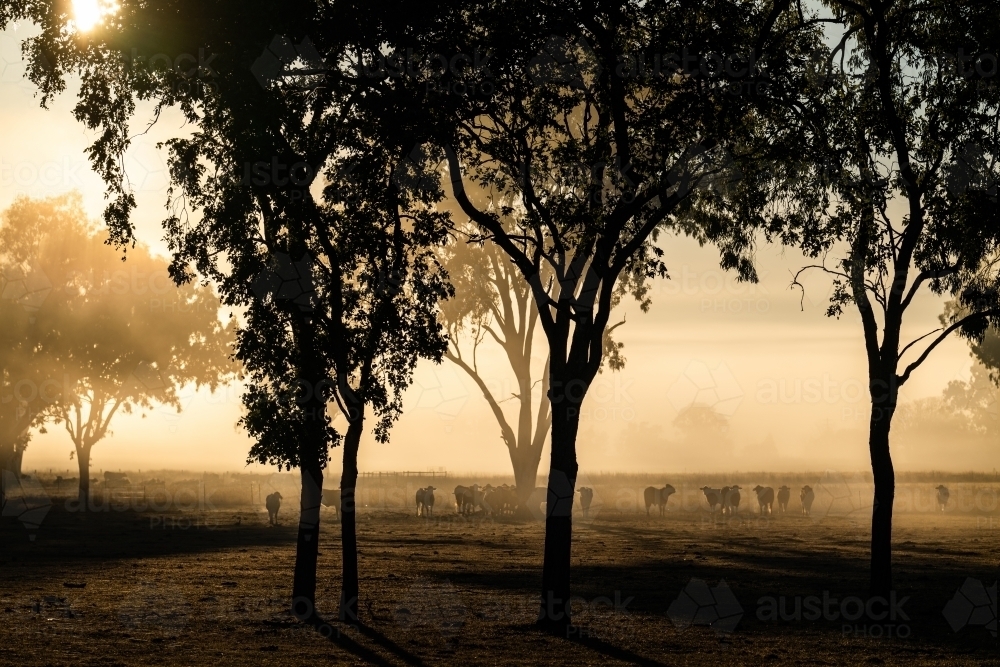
[[557, 334]]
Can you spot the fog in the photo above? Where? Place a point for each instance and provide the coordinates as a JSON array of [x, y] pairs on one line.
[[785, 382]]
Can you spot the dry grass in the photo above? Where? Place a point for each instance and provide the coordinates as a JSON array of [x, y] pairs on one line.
[[196, 588]]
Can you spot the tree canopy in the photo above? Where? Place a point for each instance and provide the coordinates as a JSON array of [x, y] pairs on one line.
[[120, 335]]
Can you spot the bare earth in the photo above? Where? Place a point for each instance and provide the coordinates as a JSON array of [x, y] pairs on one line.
[[195, 588]]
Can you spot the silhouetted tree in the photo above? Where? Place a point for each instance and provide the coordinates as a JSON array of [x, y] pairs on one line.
[[493, 302], [897, 194], [297, 195], [585, 128]]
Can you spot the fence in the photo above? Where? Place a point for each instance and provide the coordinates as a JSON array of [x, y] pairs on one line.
[[392, 476]]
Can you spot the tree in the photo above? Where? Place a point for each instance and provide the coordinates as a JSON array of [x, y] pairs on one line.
[[285, 197], [492, 301], [30, 365], [363, 252], [987, 352], [603, 142], [978, 400], [121, 336], [897, 194]]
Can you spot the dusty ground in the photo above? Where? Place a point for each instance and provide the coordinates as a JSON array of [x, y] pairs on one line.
[[194, 588]]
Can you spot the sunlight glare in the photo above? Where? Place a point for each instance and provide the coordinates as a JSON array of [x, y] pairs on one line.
[[88, 13]]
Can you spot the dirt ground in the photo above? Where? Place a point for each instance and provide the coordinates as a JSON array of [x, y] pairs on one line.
[[212, 588]]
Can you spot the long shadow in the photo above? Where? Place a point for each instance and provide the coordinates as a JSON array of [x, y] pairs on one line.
[[616, 652], [389, 645], [343, 641], [130, 534], [333, 633]]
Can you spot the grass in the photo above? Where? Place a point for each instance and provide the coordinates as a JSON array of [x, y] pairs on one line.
[[212, 587]]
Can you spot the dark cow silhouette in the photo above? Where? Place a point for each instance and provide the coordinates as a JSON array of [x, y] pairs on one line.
[[463, 499], [500, 500], [784, 493], [713, 496], [479, 497], [331, 498], [658, 497], [807, 496], [491, 500], [586, 498], [942, 496], [115, 479], [731, 499], [273, 504], [425, 501], [765, 497]]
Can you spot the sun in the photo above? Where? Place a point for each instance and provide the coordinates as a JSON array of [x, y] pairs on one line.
[[89, 13]]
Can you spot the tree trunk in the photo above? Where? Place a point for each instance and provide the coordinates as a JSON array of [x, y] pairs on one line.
[[307, 548], [6, 452], [348, 521], [6, 455], [885, 490], [83, 463], [525, 472], [554, 612], [16, 460]]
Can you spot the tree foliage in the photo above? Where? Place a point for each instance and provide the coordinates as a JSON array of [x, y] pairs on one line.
[[120, 336]]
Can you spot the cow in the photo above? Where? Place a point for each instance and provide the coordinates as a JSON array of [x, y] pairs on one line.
[[765, 497], [713, 496], [658, 497], [479, 497], [115, 479], [512, 501], [784, 493], [731, 499], [500, 500], [331, 498], [273, 504], [942, 496], [463, 498], [807, 497], [724, 499], [425, 500], [586, 498]]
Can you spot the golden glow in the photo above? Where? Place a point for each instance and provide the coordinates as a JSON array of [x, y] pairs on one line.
[[88, 13]]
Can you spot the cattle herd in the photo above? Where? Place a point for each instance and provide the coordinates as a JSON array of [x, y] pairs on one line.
[[503, 500], [494, 500], [728, 499]]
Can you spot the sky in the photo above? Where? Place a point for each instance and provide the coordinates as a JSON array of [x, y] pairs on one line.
[[790, 380]]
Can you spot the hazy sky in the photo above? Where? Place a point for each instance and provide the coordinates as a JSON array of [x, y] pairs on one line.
[[791, 382]]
